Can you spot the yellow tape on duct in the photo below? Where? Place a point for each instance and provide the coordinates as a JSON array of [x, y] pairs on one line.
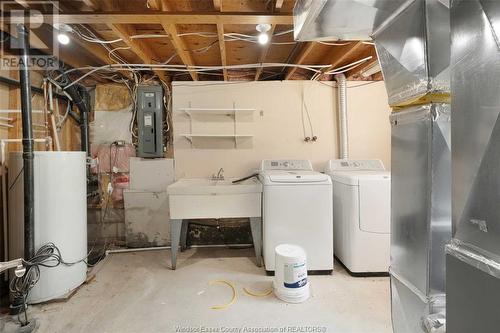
[[441, 97]]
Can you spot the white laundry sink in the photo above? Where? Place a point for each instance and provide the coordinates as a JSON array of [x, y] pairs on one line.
[[197, 198], [192, 198]]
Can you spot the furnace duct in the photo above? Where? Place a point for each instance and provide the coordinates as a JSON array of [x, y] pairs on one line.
[[412, 38]]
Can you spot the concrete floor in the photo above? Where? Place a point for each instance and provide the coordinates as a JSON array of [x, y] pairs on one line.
[[137, 292]]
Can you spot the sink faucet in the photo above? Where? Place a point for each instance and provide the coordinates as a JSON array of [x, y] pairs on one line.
[[219, 176]]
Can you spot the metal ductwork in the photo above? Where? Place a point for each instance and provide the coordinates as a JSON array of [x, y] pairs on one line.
[[473, 257], [341, 19], [342, 107], [412, 38]]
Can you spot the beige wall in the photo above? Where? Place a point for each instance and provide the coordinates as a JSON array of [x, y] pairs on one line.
[[369, 127], [276, 124]]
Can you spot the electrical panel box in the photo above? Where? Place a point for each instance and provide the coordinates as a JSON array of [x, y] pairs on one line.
[[150, 121]]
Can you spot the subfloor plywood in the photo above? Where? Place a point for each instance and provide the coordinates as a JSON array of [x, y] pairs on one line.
[[137, 292]]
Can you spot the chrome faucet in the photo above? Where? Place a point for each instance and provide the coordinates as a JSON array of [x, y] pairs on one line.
[[219, 176]]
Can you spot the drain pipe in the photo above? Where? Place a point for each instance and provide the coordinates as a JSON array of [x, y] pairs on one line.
[[342, 106], [80, 97], [28, 169]]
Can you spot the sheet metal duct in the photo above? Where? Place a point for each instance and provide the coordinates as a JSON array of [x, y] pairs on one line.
[[474, 254], [414, 51], [340, 19], [420, 213], [342, 105]]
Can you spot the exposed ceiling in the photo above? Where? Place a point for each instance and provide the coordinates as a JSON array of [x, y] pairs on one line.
[[202, 33]]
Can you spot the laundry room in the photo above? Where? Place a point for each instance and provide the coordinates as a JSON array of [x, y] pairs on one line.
[[249, 166]]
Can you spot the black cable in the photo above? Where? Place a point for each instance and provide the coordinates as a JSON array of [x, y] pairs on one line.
[[48, 255], [16, 179], [245, 178]]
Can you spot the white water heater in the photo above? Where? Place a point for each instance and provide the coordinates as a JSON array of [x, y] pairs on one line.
[[60, 217]]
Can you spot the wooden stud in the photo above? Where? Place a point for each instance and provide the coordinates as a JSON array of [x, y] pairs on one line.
[[15, 104], [278, 5], [218, 5], [222, 46], [306, 50]]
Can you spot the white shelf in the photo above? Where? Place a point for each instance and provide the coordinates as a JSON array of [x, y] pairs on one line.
[[203, 111], [190, 137]]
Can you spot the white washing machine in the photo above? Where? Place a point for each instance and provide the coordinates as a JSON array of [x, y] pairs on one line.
[[361, 215], [297, 209]]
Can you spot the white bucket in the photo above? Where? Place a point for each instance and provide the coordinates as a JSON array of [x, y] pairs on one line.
[[290, 278]]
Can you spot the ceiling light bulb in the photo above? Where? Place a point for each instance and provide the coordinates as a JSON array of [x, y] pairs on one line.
[[63, 39], [263, 38]]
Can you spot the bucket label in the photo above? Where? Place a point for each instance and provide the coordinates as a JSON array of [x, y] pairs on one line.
[[295, 275]]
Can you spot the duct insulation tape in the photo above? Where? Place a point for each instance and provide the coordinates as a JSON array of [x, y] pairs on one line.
[[290, 280]]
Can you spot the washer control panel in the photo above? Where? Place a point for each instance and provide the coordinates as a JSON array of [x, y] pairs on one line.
[[355, 165], [286, 165]]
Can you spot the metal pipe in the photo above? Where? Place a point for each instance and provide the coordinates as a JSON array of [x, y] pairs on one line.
[[342, 106], [4, 211], [28, 169], [84, 132]]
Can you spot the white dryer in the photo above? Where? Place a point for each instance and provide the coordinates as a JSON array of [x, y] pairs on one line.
[[361, 215], [297, 209]]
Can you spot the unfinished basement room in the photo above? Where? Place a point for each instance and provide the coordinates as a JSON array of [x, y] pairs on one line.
[[249, 166]]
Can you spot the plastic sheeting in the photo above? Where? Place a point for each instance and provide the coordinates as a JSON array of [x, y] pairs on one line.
[[112, 157]]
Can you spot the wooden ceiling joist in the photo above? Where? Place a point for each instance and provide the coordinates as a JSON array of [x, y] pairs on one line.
[[165, 18], [338, 60], [96, 50], [218, 5], [306, 50], [359, 69], [180, 47], [177, 42], [140, 48]]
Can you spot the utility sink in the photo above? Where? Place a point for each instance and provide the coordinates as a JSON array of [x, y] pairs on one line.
[[198, 198], [200, 186], [192, 198]]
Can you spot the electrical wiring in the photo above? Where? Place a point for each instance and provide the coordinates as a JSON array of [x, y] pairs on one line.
[[349, 66], [148, 36], [180, 68], [61, 121], [341, 69], [49, 256], [111, 53]]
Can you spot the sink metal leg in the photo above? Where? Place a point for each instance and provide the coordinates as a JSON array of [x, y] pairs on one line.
[[256, 228], [184, 232], [175, 237]]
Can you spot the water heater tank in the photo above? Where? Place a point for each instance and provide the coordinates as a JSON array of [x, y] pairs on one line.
[[60, 217]]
